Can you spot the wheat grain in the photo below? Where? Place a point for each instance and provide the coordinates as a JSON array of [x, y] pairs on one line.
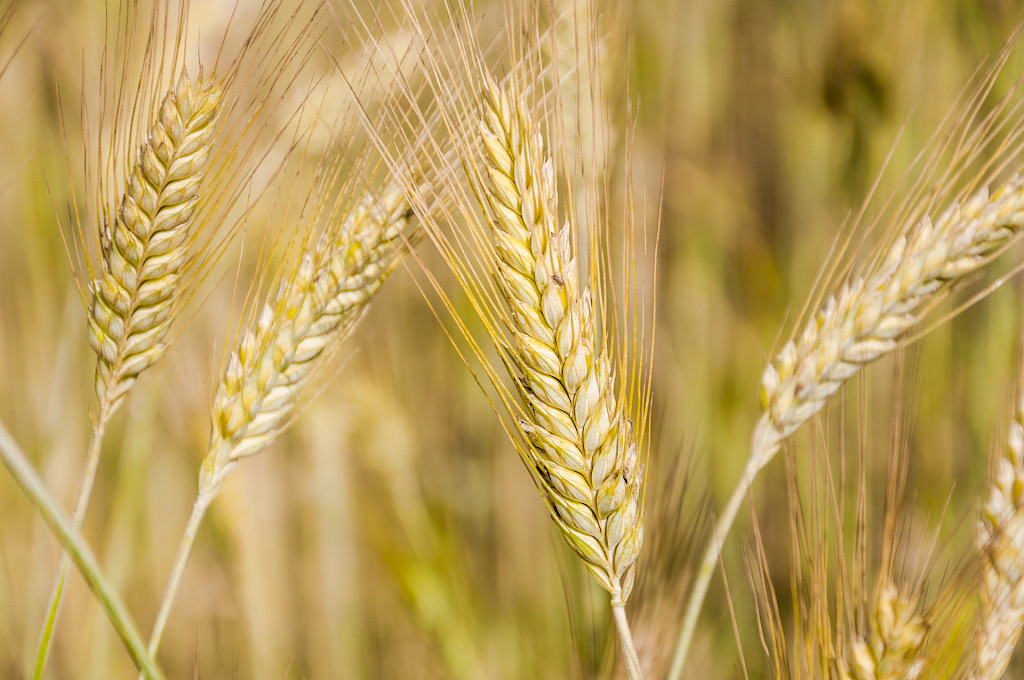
[[1001, 541], [892, 648], [143, 251], [581, 442], [312, 310]]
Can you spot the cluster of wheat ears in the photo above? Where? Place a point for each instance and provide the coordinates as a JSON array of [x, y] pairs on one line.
[[477, 133]]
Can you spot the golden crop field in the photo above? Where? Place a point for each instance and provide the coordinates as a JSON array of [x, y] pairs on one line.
[[507, 339]]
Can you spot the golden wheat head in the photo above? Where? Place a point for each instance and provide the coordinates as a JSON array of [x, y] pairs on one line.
[[144, 250], [312, 310], [581, 442]]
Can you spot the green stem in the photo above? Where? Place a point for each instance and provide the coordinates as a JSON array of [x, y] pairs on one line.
[[707, 567], [626, 639], [92, 459], [203, 501], [17, 463]]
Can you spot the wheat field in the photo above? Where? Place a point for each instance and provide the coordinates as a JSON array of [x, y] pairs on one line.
[[511, 339]]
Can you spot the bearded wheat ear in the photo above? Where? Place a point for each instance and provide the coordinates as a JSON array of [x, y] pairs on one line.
[[1001, 542], [581, 444], [144, 250], [312, 311], [892, 648], [867, 319], [142, 253]]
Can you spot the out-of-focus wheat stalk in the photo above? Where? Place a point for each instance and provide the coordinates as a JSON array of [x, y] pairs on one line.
[[78, 550], [1001, 542], [313, 310], [189, 157]]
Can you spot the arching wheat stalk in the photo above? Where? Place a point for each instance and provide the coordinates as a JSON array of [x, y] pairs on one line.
[[142, 252], [494, 215], [865, 320], [266, 377]]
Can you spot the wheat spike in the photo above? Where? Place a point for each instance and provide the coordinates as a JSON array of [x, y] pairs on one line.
[[892, 648], [581, 444], [870, 315], [143, 251], [312, 310], [1001, 540], [866, 319]]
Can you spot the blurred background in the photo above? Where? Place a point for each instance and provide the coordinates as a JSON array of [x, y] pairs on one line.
[[392, 531]]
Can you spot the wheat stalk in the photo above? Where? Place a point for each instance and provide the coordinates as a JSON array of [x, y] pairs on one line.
[[141, 256], [581, 444], [312, 311], [892, 648], [866, 319], [1001, 541]]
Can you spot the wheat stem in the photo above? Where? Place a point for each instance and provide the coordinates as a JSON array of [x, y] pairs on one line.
[[626, 640], [73, 542], [92, 459], [707, 567], [177, 570], [313, 310]]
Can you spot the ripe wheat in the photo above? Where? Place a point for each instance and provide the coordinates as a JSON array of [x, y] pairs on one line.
[[892, 648], [581, 441], [866, 319], [312, 310], [143, 251], [870, 315]]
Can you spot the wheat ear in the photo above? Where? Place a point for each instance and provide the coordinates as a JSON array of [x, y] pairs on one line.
[[312, 311], [581, 444], [142, 253], [144, 250], [1001, 540], [892, 648], [868, 318]]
